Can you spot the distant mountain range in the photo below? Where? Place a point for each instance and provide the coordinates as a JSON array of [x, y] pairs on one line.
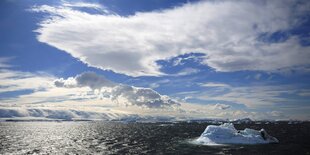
[[76, 115]]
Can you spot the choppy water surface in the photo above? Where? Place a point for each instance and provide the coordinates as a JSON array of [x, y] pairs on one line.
[[138, 138]]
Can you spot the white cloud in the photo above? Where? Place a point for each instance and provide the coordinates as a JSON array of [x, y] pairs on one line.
[[85, 96], [4, 62], [220, 106], [211, 84], [40, 89], [181, 61], [187, 71], [72, 114], [82, 5], [304, 92], [154, 85], [90, 96], [209, 111], [252, 96], [15, 80], [257, 96], [258, 76], [159, 83], [192, 112], [125, 94], [89, 79], [87, 87], [226, 31]]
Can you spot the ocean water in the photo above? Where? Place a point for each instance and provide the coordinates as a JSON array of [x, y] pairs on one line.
[[139, 138]]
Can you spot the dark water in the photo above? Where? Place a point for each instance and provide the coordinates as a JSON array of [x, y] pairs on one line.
[[138, 138]]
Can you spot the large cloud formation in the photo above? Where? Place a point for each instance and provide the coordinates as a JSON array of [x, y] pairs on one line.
[[90, 96], [125, 94], [234, 35]]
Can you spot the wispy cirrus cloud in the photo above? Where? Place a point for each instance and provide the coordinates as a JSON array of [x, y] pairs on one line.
[[4, 62], [253, 96], [82, 5], [11, 80], [221, 106], [210, 27], [212, 84]]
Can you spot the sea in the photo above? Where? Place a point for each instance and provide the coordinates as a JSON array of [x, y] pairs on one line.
[[99, 137]]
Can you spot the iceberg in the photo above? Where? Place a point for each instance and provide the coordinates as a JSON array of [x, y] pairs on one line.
[[228, 134]]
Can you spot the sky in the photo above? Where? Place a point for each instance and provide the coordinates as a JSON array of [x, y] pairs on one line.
[[155, 59]]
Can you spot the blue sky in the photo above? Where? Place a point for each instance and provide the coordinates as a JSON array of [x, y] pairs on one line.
[[206, 59]]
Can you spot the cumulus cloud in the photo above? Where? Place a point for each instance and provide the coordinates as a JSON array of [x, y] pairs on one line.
[[125, 94], [227, 32], [86, 79], [87, 87]]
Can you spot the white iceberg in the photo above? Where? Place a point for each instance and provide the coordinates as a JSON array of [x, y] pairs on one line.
[[227, 134]]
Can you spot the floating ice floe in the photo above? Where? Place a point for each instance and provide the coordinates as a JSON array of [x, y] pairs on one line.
[[227, 134]]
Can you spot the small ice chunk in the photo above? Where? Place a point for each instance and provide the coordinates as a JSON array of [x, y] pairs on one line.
[[228, 134]]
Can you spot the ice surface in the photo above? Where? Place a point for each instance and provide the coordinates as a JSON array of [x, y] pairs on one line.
[[227, 134]]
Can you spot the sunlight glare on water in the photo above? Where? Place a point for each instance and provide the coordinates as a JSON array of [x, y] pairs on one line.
[[137, 138]]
